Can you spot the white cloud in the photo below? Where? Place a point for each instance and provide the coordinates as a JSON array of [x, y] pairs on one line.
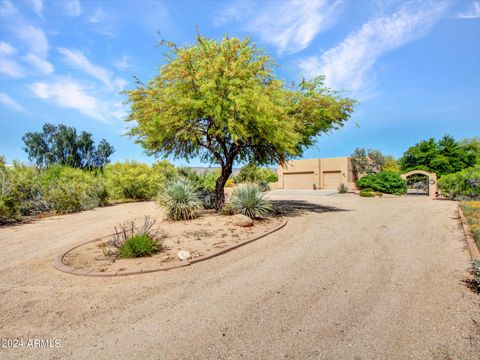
[[40, 64], [98, 16], [79, 61], [6, 48], [289, 26], [349, 65], [122, 63], [473, 11], [37, 7], [10, 68], [34, 38], [11, 103], [69, 94], [7, 9], [72, 7]]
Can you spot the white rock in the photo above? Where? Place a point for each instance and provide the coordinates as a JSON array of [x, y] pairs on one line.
[[183, 255]]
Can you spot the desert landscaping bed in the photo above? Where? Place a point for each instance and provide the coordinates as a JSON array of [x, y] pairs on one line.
[[208, 235]]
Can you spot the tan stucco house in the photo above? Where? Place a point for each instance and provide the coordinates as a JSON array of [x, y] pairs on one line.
[[319, 173]]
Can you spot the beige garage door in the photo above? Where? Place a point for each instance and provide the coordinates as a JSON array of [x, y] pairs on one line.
[[304, 180], [331, 179]]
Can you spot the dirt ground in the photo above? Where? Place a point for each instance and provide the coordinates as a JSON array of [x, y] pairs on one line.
[[347, 278], [204, 236]]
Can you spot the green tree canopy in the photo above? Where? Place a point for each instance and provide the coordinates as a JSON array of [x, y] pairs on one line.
[[221, 101], [367, 161], [62, 145], [445, 156]]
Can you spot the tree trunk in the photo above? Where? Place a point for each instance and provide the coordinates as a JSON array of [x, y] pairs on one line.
[[220, 185]]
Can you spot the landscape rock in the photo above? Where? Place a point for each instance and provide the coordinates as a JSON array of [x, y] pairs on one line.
[[241, 220], [183, 255]]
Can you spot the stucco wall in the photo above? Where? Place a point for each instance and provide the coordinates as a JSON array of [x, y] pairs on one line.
[[318, 166]]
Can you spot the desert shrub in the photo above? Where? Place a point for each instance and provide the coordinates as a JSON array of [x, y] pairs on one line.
[[230, 183], [249, 200], [180, 199], [20, 192], [385, 182], [342, 189], [475, 269], [207, 179], [251, 173], [131, 180], [69, 189], [367, 193], [471, 210], [132, 241], [263, 186], [464, 184]]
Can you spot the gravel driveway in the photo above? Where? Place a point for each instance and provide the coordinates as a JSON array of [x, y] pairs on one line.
[[347, 278]]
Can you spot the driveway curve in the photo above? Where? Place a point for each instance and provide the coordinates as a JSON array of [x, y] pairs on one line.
[[347, 278]]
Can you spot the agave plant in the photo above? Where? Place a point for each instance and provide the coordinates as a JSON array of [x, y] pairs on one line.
[[249, 200], [180, 199]]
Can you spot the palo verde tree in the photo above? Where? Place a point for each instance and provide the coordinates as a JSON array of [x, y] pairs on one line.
[[62, 145], [221, 101]]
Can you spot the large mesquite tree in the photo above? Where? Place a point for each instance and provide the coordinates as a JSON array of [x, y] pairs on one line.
[[221, 101]]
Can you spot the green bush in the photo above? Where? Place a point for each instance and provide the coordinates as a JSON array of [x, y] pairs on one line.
[[367, 193], [251, 173], [180, 199], [132, 241], [20, 192], [249, 200], [385, 182], [69, 189], [138, 246], [464, 184], [130, 180]]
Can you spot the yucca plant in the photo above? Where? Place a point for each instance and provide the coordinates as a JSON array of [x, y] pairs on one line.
[[249, 200], [180, 199]]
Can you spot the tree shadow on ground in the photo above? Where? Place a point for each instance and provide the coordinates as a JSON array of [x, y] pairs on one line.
[[293, 208]]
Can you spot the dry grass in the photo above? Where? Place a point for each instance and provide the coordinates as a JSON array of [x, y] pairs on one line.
[[471, 210]]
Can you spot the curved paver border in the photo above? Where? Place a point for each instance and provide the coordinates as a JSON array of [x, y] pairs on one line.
[[59, 264], [472, 245]]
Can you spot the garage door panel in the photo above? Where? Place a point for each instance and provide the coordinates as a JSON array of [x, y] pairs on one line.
[[332, 179], [298, 180]]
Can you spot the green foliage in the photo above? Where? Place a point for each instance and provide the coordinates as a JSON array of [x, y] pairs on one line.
[[385, 182], [62, 145], [220, 101], [132, 241], [446, 156], [21, 192], [138, 246], [463, 184], [390, 164], [254, 174], [180, 199], [70, 190], [367, 193], [249, 200], [367, 161], [342, 189], [137, 181]]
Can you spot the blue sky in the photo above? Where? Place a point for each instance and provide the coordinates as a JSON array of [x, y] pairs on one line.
[[413, 65]]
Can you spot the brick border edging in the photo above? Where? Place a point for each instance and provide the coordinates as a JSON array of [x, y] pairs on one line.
[[58, 263], [472, 245]]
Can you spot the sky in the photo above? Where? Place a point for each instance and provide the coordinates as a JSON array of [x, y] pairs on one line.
[[414, 66]]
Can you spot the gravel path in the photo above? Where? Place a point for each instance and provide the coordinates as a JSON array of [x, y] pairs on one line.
[[347, 278]]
